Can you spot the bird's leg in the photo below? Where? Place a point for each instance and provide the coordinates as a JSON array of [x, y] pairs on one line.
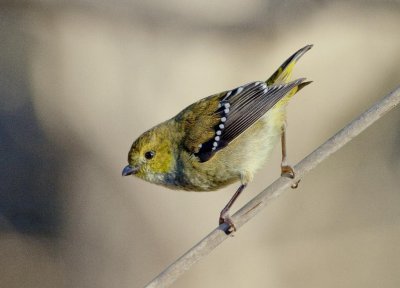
[[224, 216], [286, 169]]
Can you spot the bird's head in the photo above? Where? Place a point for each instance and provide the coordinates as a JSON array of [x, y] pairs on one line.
[[151, 156]]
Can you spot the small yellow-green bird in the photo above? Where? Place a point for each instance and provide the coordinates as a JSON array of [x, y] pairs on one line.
[[219, 140]]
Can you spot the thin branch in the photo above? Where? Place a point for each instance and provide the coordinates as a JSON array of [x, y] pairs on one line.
[[248, 211]]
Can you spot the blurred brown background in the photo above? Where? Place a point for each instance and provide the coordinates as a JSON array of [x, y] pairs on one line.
[[80, 80]]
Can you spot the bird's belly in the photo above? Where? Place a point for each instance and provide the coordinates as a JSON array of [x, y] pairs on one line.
[[240, 160], [253, 148]]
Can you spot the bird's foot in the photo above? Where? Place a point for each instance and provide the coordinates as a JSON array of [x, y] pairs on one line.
[[226, 218], [287, 171]]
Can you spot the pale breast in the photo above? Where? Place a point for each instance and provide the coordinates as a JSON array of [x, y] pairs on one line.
[[241, 159]]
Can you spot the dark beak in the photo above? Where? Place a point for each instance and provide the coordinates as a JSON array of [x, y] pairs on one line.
[[129, 170]]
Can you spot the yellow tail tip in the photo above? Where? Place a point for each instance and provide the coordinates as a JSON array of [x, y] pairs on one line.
[[283, 73]]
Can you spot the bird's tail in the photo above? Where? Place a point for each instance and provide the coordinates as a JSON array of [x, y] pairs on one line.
[[289, 95], [283, 73]]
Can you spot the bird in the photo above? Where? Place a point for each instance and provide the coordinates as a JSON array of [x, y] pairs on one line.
[[221, 139]]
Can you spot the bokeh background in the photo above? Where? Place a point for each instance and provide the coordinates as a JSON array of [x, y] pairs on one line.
[[81, 79]]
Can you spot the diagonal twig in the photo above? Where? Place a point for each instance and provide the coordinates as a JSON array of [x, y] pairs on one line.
[[248, 211]]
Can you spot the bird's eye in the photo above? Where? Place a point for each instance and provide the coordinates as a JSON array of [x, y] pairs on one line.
[[149, 154]]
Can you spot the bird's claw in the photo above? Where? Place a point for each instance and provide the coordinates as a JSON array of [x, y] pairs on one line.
[[225, 218], [287, 171]]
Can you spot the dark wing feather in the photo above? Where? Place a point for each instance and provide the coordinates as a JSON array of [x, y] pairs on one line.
[[247, 108], [231, 113]]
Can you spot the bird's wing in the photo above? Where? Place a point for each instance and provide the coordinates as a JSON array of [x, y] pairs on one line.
[[212, 123]]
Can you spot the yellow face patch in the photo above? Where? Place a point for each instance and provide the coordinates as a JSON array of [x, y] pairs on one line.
[[153, 153]]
